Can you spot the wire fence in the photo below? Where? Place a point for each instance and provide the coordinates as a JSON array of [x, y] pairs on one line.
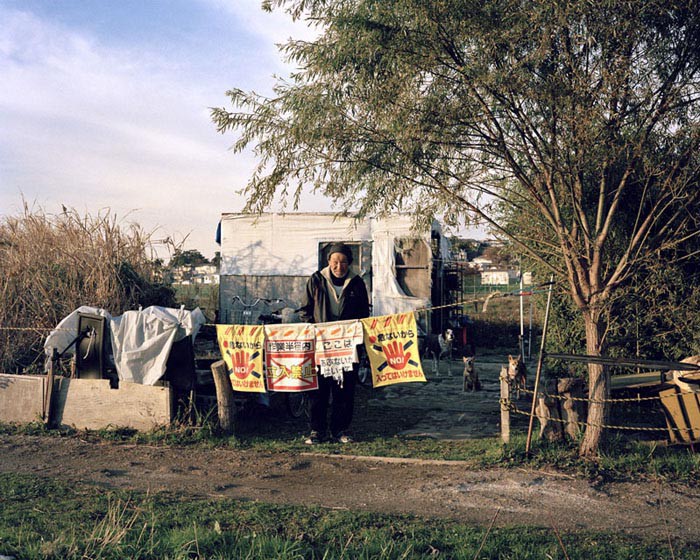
[[510, 405]]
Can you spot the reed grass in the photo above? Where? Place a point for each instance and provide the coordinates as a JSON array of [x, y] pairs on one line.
[[51, 264]]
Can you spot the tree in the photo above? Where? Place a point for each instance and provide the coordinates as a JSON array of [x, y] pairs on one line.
[[581, 118], [499, 256], [191, 257]]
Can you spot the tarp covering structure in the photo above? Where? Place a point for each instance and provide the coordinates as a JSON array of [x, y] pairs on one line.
[[278, 245], [141, 340]]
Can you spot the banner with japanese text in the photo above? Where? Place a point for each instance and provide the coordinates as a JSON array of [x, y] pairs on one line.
[[242, 349], [289, 357], [391, 342], [336, 347]]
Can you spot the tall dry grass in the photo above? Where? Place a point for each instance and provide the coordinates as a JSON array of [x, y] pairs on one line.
[[51, 264]]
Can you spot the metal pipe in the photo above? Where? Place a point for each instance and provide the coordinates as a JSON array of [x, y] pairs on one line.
[[522, 317], [539, 368]]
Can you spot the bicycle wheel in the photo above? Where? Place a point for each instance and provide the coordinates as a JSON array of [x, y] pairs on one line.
[[297, 405]]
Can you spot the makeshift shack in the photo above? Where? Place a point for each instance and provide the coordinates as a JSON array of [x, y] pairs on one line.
[[266, 260], [133, 370]]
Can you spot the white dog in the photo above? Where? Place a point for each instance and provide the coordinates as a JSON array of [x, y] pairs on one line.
[[439, 345]]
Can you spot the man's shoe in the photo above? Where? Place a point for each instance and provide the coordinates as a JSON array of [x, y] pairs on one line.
[[344, 438], [313, 439]]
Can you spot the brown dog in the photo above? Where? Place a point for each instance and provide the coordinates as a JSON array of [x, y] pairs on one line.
[[517, 375], [471, 378]]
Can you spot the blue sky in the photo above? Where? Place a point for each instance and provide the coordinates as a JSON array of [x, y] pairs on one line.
[[104, 104]]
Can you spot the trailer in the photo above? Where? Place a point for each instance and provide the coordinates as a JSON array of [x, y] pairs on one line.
[[267, 258]]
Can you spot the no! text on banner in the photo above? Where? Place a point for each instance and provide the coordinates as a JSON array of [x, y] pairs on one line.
[[241, 347], [391, 342]]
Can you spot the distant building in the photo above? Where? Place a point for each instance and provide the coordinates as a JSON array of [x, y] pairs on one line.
[[482, 263], [205, 274], [186, 275], [495, 278]]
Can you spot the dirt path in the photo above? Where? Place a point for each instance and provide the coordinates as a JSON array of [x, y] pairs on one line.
[[424, 488]]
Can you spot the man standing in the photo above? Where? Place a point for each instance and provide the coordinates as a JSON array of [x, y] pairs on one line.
[[334, 293]]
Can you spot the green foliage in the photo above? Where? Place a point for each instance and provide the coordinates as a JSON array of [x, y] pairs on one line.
[[654, 317], [472, 247], [204, 296]]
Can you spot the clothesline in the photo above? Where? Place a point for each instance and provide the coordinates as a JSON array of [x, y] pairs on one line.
[[288, 354]]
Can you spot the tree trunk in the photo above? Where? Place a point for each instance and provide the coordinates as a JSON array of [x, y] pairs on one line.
[[598, 388]]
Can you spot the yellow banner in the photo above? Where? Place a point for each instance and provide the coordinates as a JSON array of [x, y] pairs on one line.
[[242, 349], [391, 342]]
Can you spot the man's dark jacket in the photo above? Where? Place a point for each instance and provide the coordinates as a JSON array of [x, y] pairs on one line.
[[315, 308]]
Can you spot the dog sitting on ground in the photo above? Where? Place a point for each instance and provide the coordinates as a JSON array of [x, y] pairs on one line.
[[439, 345], [517, 375], [471, 377]]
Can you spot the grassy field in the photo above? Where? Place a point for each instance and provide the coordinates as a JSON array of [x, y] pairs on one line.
[[41, 518], [44, 519]]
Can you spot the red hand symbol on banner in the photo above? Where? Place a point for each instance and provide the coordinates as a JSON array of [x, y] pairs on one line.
[[242, 366], [395, 355]]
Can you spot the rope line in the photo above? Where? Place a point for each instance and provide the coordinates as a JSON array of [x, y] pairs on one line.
[[419, 310], [36, 329], [516, 410], [595, 401], [515, 293]]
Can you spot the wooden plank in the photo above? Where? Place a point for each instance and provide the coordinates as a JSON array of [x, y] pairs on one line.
[[692, 413], [91, 404], [21, 398], [672, 405]]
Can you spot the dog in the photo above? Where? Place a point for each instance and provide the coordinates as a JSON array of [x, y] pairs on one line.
[[471, 377], [517, 375], [439, 345]]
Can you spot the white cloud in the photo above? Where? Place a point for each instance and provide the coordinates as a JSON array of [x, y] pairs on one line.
[[93, 127], [273, 28], [95, 124]]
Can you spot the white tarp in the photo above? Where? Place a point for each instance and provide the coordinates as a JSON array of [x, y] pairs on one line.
[[387, 296], [281, 244], [287, 245], [141, 340]]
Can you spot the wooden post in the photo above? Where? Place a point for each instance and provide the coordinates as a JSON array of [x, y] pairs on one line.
[[48, 396], [224, 396], [549, 415], [505, 410]]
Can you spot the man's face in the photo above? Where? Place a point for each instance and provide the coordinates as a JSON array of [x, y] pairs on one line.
[[339, 265]]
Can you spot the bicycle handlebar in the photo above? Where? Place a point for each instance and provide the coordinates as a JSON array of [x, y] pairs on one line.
[[258, 300]]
